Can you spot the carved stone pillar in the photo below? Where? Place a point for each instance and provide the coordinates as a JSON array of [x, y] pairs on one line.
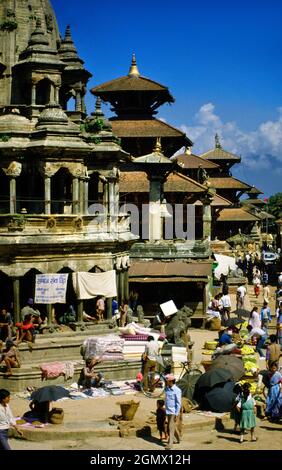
[[13, 171], [121, 286], [56, 94], [13, 195], [207, 219], [49, 314], [33, 94], [16, 299], [85, 194], [126, 285], [80, 311], [111, 198], [75, 200], [47, 194], [81, 196], [78, 101], [109, 301]]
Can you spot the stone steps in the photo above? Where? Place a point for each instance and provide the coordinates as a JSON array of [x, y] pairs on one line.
[[31, 375], [62, 346]]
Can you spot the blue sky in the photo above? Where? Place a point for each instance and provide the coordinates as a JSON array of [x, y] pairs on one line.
[[222, 61]]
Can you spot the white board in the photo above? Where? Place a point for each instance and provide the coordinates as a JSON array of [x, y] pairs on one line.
[[168, 308]]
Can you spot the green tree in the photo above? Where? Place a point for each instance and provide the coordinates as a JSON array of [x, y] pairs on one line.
[[274, 205]]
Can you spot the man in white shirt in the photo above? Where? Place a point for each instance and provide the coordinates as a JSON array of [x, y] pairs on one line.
[[150, 361], [240, 299], [226, 306]]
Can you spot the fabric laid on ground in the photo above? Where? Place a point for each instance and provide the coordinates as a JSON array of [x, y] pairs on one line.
[[88, 285], [52, 370], [107, 347]]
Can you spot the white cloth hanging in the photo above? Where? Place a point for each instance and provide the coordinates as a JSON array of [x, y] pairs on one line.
[[88, 285]]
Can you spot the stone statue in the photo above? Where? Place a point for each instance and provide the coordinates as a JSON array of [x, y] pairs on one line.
[[202, 175], [140, 313], [177, 323]]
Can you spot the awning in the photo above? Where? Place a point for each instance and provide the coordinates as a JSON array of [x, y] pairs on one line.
[[176, 271]]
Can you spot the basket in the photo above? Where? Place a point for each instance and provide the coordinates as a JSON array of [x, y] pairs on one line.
[[128, 409], [56, 416]]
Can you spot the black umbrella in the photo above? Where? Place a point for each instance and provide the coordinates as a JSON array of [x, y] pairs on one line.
[[213, 377], [234, 321], [49, 393], [221, 397], [208, 380], [231, 363]]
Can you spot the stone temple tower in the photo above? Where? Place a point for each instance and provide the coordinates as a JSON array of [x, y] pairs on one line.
[[17, 21]]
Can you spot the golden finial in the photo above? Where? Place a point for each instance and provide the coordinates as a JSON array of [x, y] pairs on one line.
[[133, 71], [158, 146], [187, 151]]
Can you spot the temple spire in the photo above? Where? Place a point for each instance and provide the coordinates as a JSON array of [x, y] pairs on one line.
[[133, 71], [217, 142], [38, 36], [158, 146]]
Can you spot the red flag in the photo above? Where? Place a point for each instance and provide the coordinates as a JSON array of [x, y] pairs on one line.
[[266, 199]]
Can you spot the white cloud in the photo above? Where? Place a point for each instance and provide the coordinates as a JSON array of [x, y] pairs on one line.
[[260, 149]]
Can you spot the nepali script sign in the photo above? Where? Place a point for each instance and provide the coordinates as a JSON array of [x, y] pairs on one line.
[[51, 288]]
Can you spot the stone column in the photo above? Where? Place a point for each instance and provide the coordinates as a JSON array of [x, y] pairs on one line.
[[78, 102], [13, 195], [13, 171], [126, 285], [207, 219], [112, 206], [56, 94], [75, 195], [80, 311], [117, 283], [33, 94], [121, 286], [109, 308], [85, 194], [47, 194], [207, 215], [116, 198], [81, 196], [155, 227], [16, 299], [49, 314]]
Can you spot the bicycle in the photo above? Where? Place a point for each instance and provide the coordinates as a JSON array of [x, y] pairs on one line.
[[157, 380]]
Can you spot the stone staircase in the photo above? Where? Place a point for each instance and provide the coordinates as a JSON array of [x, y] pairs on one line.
[[61, 347]]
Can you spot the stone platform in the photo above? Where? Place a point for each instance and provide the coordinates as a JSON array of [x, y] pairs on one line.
[[93, 417], [61, 347]]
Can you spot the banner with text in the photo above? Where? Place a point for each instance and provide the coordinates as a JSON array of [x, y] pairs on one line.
[[51, 288]]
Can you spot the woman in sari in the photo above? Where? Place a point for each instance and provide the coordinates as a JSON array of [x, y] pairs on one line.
[[274, 397]]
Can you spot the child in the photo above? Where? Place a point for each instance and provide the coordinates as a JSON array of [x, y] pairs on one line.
[[246, 406], [161, 419], [235, 414]]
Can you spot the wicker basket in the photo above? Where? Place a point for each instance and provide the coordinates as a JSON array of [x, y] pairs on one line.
[[128, 409], [56, 416]]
